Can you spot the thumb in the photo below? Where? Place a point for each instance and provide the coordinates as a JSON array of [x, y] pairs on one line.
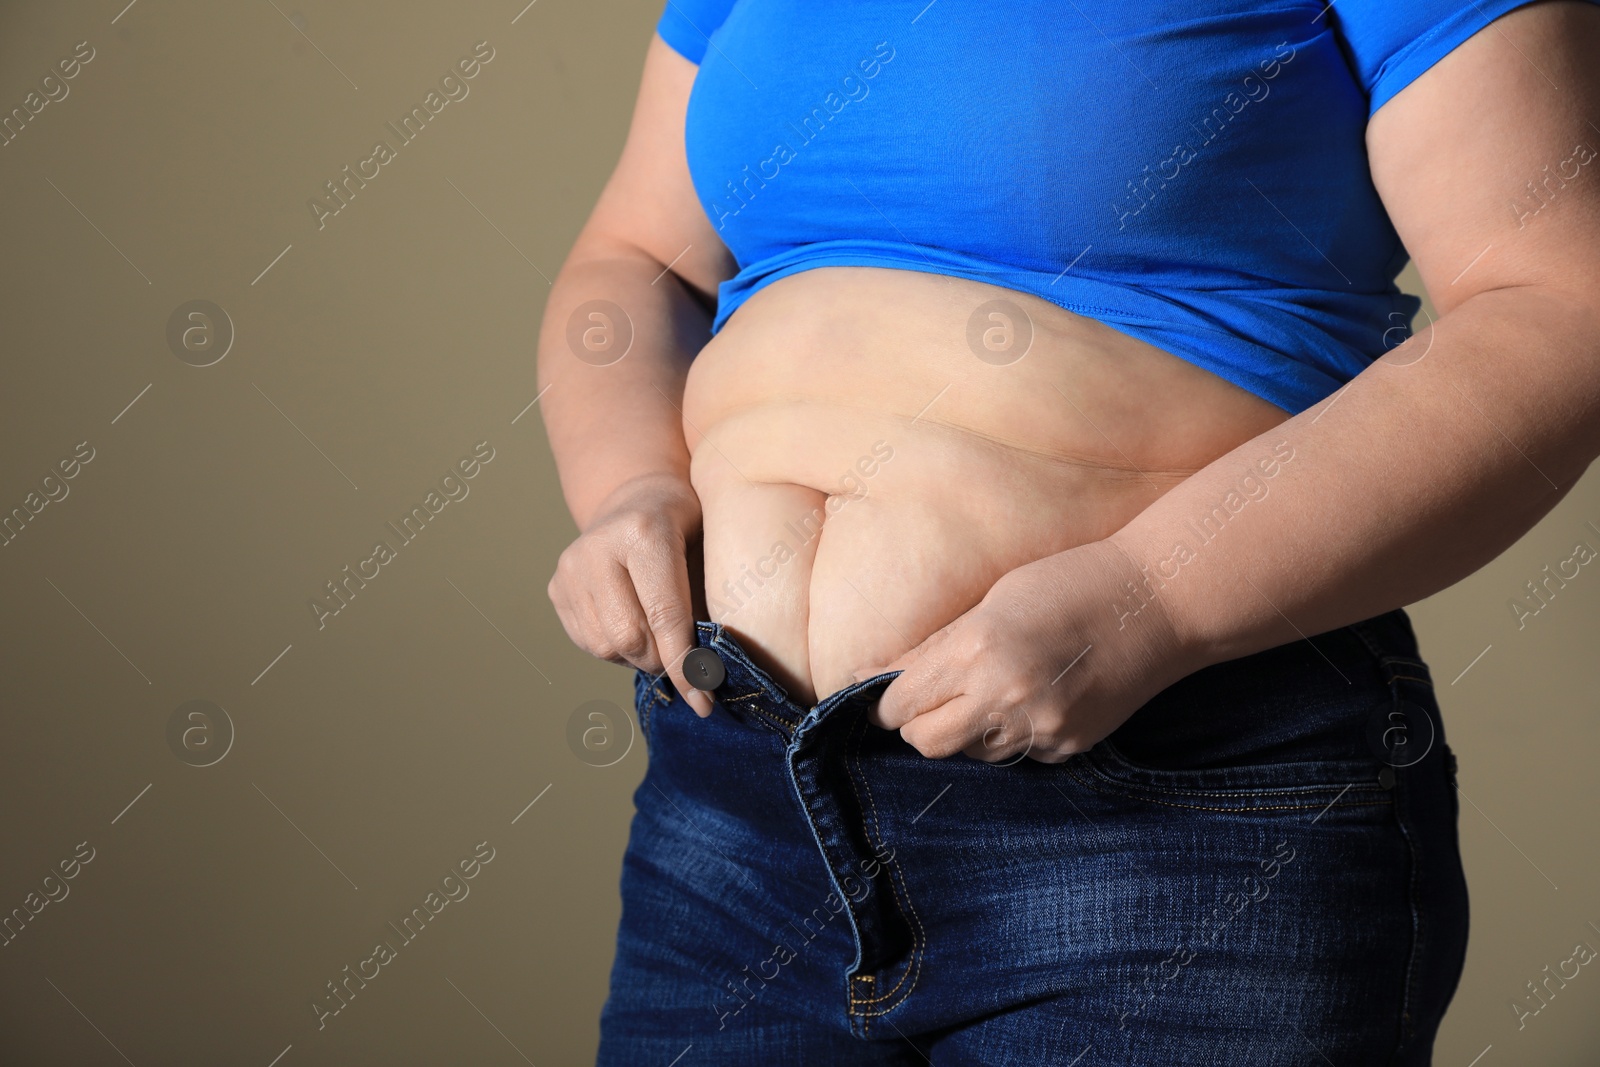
[[673, 649], [672, 627]]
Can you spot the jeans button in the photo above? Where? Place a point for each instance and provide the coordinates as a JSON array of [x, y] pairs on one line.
[[703, 669], [1386, 778]]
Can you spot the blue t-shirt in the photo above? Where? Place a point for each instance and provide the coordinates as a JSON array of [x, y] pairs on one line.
[[1191, 172]]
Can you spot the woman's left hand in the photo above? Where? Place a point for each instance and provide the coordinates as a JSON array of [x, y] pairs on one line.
[[1056, 656]]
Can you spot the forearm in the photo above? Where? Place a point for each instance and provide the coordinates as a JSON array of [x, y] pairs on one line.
[[1428, 465], [613, 423]]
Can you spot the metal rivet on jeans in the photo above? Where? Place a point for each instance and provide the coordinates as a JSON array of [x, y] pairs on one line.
[[1386, 778], [703, 669]]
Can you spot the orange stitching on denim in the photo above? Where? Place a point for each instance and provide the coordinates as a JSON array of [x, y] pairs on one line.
[[665, 698], [866, 1017], [769, 718], [864, 1000], [913, 968], [916, 948], [852, 775], [756, 706], [919, 937], [1201, 807]]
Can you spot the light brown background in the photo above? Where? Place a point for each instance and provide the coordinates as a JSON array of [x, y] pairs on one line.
[[427, 715]]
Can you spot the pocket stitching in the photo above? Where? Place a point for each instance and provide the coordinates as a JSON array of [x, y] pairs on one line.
[[1116, 756], [1127, 791]]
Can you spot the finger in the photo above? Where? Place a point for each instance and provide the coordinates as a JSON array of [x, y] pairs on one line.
[[623, 623], [929, 680], [565, 614], [596, 640], [575, 609], [662, 587], [947, 729], [1006, 737]]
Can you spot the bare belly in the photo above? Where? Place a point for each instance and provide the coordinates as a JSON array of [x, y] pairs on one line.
[[868, 465]]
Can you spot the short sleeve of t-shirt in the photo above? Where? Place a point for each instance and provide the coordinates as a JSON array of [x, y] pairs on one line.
[[1393, 42], [687, 25]]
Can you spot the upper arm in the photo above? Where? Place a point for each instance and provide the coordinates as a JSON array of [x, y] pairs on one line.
[[1489, 164], [649, 203]]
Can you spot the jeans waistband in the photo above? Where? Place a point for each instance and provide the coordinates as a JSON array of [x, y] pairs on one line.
[[1381, 650], [750, 693]]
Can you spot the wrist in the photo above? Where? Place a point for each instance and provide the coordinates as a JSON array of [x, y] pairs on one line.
[[663, 493], [1150, 599]]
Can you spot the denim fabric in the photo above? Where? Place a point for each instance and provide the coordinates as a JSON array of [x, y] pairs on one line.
[[1259, 867]]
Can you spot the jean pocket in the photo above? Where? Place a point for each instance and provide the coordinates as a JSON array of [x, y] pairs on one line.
[[1304, 785]]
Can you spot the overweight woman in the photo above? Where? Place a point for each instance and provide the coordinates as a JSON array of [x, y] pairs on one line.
[[1001, 449]]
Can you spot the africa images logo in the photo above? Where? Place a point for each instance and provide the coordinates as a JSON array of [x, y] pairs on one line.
[[454, 86]]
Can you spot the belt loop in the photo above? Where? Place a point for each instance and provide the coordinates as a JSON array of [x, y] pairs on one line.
[[1375, 645]]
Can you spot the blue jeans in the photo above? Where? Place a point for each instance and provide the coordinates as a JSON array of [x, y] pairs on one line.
[[1259, 867]]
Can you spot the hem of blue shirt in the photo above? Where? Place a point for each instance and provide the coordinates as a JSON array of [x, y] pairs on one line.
[[1417, 58], [681, 35], [1145, 314]]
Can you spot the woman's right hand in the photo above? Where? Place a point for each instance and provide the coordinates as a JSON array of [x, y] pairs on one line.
[[621, 589]]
